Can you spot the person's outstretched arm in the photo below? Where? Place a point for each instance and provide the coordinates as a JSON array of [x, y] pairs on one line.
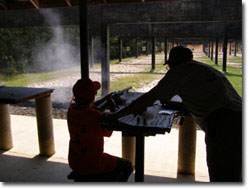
[[137, 106]]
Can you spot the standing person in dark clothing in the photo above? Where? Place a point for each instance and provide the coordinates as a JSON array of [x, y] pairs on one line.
[[213, 103]]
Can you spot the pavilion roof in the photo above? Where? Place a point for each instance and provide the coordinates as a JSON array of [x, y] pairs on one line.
[[39, 4]]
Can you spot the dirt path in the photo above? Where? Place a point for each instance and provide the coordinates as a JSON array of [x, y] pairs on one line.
[[124, 68]]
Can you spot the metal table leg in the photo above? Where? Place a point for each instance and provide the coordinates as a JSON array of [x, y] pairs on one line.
[[45, 126], [5, 128], [139, 158]]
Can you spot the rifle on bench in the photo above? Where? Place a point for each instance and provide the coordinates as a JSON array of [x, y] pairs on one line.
[[113, 100]]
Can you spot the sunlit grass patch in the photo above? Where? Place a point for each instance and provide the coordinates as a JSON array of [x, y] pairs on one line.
[[233, 73]]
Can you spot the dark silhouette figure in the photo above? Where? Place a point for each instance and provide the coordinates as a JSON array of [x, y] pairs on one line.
[[86, 157], [213, 103]]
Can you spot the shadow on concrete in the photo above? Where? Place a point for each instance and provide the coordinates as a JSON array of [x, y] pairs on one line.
[[39, 170], [36, 169]]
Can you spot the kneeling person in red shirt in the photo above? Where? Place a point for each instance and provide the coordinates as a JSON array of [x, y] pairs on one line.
[[86, 157]]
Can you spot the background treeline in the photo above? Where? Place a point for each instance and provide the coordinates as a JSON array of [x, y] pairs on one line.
[[20, 48]]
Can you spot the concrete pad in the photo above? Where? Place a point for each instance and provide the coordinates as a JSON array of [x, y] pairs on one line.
[[21, 163], [161, 154], [17, 167]]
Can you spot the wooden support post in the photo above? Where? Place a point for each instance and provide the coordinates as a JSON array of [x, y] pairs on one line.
[[208, 49], [120, 49], [125, 45], [224, 63], [91, 54], [187, 147], [220, 47], [136, 48], [212, 49], [160, 49], [230, 48], [153, 53], [6, 142], [105, 59], [204, 48], [147, 47], [45, 126], [166, 49], [128, 148], [241, 48], [216, 50], [235, 49], [84, 55]]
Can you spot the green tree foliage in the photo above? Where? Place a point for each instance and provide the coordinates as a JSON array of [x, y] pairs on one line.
[[19, 48]]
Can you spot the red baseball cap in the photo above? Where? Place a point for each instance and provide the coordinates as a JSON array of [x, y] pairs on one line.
[[85, 89]]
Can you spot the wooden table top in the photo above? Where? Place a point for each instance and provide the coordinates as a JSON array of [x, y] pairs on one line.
[[15, 95]]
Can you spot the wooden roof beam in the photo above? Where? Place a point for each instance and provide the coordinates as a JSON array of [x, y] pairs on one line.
[[187, 30], [35, 3], [3, 4], [172, 11], [68, 2]]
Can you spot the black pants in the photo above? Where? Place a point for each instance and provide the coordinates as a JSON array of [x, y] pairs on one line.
[[224, 146], [121, 173]]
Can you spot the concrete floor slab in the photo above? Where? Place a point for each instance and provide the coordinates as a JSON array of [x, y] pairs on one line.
[[21, 163]]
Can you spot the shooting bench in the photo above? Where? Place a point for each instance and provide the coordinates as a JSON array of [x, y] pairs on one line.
[[16, 95], [157, 120]]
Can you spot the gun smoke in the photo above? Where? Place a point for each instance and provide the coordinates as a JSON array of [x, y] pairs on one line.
[[57, 54]]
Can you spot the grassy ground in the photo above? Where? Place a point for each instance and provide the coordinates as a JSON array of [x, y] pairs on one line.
[[234, 74], [140, 79], [27, 79]]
